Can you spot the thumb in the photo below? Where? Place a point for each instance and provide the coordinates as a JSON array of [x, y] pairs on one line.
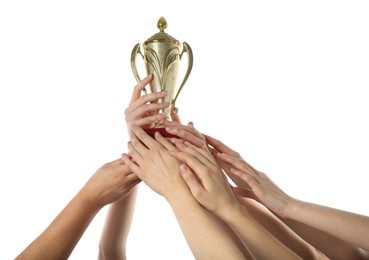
[[174, 115]]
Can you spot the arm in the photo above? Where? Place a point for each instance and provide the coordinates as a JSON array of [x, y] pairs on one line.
[[275, 226], [314, 219], [111, 182], [153, 164], [118, 222], [140, 111], [211, 189]]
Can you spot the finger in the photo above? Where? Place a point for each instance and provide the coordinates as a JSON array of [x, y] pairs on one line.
[[235, 162], [165, 142], [142, 100], [117, 161], [140, 87], [174, 115], [130, 183], [153, 107], [213, 151], [194, 151], [148, 120], [146, 139], [191, 180], [196, 166], [136, 150], [134, 167], [203, 151], [188, 133], [133, 183], [139, 110], [252, 183], [184, 134], [218, 145], [189, 128], [153, 97], [243, 192], [131, 177]]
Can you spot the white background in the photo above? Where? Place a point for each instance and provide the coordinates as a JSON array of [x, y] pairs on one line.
[[285, 83]]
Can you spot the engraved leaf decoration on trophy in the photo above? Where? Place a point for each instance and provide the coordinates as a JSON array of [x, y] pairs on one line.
[[159, 67], [170, 59], [154, 61]]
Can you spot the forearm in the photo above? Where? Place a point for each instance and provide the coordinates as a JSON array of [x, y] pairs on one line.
[[255, 236], [116, 228], [353, 228], [204, 235], [281, 231], [331, 246], [61, 236]]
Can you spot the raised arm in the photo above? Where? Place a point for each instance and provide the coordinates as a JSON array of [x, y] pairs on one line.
[[204, 233], [211, 188], [317, 221], [111, 182], [141, 111]]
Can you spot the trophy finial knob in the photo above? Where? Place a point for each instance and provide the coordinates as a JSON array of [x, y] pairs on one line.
[[162, 24]]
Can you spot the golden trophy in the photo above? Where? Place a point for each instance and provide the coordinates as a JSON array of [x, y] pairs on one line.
[[162, 55]]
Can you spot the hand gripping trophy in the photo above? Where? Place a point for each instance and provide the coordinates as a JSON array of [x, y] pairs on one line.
[[162, 54]]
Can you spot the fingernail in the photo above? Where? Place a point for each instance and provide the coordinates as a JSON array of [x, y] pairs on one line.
[[164, 93], [183, 168], [169, 128], [157, 134]]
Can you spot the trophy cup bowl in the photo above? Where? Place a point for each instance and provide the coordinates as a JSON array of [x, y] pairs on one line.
[[162, 55]]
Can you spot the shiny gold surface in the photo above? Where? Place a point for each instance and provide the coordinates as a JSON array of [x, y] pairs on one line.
[[162, 55]]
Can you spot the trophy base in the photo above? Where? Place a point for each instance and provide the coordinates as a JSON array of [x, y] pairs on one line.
[[161, 130]]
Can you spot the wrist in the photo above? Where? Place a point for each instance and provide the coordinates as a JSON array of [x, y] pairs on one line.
[[227, 213], [292, 206], [177, 196], [88, 201]]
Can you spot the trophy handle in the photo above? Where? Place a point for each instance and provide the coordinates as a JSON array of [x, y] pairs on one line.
[[136, 50], [186, 48]]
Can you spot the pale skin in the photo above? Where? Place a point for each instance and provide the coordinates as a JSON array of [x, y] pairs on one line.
[[140, 111], [211, 189], [315, 223], [204, 233], [110, 183], [276, 227]]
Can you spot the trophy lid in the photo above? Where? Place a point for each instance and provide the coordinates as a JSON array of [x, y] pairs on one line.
[[161, 36]]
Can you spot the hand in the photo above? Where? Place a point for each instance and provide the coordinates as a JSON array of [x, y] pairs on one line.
[[205, 179], [151, 161], [218, 148], [111, 182], [268, 193], [187, 133], [141, 111]]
